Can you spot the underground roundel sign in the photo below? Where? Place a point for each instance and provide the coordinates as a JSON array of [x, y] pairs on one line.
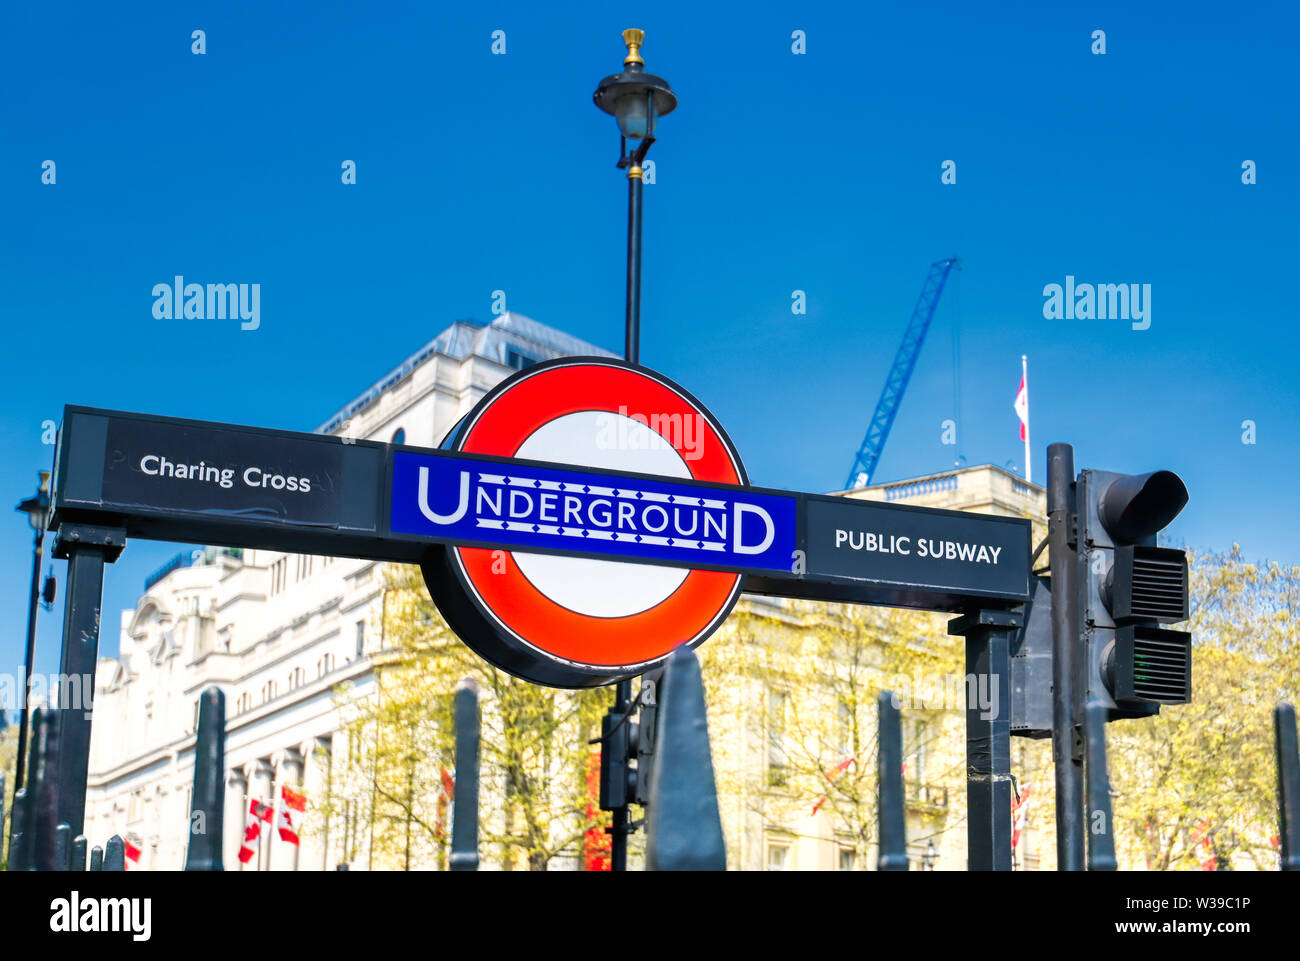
[[580, 621]]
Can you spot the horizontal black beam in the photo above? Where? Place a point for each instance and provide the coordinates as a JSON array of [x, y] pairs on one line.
[[188, 481]]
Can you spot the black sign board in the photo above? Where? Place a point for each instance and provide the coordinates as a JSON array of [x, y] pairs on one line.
[[199, 482]]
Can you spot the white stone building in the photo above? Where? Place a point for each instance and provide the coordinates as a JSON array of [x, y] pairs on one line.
[[277, 632]]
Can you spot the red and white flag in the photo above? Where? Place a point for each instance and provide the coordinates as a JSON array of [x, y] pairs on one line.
[[293, 806], [1022, 408], [257, 814], [132, 854], [1022, 411], [1020, 811]]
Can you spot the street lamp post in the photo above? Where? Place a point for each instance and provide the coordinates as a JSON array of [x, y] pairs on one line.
[[637, 100], [930, 857], [37, 509]]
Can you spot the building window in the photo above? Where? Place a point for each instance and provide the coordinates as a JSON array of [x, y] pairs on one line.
[[920, 735], [517, 360], [277, 575], [777, 761], [361, 638], [399, 436], [848, 859], [778, 857]]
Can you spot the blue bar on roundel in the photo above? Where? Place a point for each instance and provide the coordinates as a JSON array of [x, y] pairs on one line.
[[557, 510]]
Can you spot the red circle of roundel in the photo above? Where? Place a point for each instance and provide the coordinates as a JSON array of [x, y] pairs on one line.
[[524, 406]]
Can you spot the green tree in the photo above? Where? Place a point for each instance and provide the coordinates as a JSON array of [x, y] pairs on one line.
[[534, 746]]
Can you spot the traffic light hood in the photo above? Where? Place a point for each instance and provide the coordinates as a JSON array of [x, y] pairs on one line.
[[1136, 506]]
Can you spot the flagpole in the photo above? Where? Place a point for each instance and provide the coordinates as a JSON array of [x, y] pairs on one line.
[[1029, 464]]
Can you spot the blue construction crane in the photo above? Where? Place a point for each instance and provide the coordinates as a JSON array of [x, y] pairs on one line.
[[864, 465]]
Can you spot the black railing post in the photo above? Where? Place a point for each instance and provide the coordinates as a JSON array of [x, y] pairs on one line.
[[1288, 785], [683, 826], [464, 804], [988, 735], [18, 832], [78, 860], [96, 858], [115, 854], [62, 847], [43, 782], [889, 763], [209, 797]]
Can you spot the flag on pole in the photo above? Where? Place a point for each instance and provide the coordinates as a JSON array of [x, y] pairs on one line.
[[257, 813], [293, 806], [132, 854], [1021, 408]]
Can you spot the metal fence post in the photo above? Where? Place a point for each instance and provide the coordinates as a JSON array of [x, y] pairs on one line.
[[1288, 785], [18, 832], [683, 826], [464, 804], [209, 796], [43, 803], [62, 847], [96, 858], [78, 860], [892, 854], [114, 854]]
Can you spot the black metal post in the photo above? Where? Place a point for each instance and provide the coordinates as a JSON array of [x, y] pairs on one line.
[[988, 735], [1067, 646], [889, 770], [114, 854], [1101, 835], [62, 847], [464, 805], [683, 825], [18, 832], [43, 800], [78, 860], [87, 548], [209, 798], [96, 858], [1288, 785], [33, 601], [632, 345], [632, 354]]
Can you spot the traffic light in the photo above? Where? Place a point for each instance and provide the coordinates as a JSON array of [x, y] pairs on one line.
[[627, 748], [1128, 587]]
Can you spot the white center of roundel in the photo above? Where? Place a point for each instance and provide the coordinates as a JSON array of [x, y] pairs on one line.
[[597, 438]]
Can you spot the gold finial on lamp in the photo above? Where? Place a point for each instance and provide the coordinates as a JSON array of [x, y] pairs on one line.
[[633, 38]]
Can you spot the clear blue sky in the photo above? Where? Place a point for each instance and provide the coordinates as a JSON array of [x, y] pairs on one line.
[[777, 173]]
